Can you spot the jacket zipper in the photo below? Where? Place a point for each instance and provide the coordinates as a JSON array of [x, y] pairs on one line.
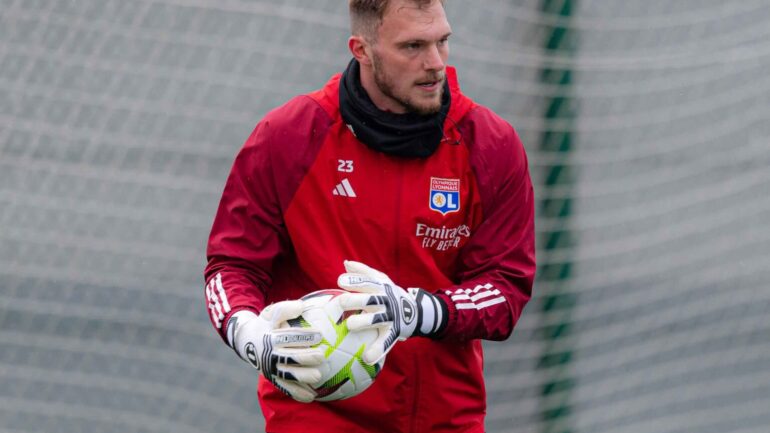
[[397, 231], [397, 256], [413, 428]]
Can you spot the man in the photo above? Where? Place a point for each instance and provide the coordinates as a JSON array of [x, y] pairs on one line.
[[386, 176]]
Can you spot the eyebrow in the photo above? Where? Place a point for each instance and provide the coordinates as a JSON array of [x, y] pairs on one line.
[[411, 41]]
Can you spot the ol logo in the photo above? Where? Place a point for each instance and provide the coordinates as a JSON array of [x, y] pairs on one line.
[[444, 195]]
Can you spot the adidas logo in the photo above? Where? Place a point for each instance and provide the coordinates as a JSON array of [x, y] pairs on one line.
[[344, 189]]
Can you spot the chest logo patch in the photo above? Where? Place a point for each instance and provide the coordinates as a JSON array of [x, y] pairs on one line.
[[444, 195]]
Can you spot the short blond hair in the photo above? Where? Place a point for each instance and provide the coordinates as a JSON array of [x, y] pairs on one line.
[[366, 15]]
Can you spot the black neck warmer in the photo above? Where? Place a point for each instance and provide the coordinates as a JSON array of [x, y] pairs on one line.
[[408, 135]]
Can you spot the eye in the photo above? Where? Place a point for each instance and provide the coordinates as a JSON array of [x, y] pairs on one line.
[[413, 45]]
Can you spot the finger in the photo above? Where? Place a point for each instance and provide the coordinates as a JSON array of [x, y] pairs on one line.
[[378, 349], [360, 301], [360, 268], [357, 267], [372, 355], [359, 283], [296, 373], [300, 357], [361, 321], [295, 390], [295, 337], [282, 311]]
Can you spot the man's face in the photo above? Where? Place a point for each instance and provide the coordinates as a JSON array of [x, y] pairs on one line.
[[409, 58]]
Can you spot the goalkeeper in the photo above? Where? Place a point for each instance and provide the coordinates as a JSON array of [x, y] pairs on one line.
[[392, 184]]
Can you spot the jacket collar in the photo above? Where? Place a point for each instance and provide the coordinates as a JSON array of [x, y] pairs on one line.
[[406, 135]]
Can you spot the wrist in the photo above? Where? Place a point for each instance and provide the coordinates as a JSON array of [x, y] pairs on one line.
[[243, 328], [433, 314]]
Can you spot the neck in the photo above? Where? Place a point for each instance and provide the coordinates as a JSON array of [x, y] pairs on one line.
[[406, 135], [380, 100]]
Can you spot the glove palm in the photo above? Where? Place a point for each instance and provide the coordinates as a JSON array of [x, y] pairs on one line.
[[395, 313], [286, 356]]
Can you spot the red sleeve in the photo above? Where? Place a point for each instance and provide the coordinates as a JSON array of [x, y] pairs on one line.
[[248, 233], [497, 266]]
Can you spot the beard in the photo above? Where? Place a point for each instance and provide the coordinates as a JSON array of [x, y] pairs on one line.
[[387, 86]]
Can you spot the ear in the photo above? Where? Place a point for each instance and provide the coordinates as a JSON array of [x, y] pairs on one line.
[[360, 49]]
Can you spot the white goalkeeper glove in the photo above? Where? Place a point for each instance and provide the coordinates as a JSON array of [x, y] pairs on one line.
[[283, 354], [395, 313]]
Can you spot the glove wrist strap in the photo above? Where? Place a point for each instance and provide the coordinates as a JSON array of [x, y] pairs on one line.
[[235, 330], [433, 313]]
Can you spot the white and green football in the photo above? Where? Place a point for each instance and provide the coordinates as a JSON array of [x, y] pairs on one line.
[[345, 374]]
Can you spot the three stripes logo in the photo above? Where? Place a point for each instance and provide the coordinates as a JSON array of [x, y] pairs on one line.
[[477, 298], [344, 189], [218, 304]]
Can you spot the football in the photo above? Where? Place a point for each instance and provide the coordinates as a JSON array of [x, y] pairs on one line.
[[344, 374]]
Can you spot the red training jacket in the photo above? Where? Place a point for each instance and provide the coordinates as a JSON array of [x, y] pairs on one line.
[[304, 194]]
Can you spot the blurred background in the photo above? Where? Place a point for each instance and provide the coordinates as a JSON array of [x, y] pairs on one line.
[[646, 124]]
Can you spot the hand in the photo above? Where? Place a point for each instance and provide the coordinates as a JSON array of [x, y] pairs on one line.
[[395, 313], [284, 355]]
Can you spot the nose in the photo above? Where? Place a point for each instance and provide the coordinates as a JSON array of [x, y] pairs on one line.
[[434, 61]]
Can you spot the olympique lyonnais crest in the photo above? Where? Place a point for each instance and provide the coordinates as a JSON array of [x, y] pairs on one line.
[[444, 195]]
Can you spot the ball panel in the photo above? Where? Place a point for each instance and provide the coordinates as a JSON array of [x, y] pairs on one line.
[[371, 370], [344, 372], [298, 322]]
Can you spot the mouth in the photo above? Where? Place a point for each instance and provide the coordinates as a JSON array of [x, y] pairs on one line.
[[430, 85]]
